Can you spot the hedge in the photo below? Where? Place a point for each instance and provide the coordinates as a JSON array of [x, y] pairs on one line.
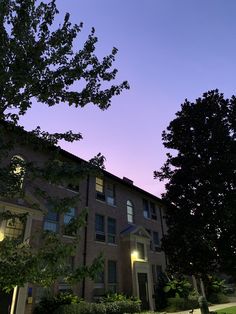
[[117, 307]]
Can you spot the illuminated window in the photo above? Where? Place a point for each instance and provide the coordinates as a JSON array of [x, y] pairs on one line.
[[18, 166], [100, 195], [111, 230], [14, 228], [130, 212]]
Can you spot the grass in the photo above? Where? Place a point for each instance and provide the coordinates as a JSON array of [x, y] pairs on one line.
[[227, 310]]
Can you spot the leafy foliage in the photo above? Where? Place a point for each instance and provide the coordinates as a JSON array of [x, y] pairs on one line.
[[201, 191], [178, 288], [38, 62]]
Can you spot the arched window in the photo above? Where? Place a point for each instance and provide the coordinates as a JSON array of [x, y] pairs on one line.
[[130, 211], [18, 169]]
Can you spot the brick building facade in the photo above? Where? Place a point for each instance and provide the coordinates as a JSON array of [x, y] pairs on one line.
[[124, 222]]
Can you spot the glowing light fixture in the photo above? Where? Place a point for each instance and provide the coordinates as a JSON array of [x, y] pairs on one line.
[[1, 235], [134, 256]]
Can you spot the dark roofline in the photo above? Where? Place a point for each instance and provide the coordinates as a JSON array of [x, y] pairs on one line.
[[78, 159], [112, 176]]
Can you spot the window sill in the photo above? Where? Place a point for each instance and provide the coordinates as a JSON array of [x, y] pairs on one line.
[[69, 236]]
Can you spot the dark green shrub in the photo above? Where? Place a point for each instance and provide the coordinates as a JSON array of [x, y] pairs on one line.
[[49, 304], [218, 298], [178, 288], [82, 308], [121, 307], [181, 304]]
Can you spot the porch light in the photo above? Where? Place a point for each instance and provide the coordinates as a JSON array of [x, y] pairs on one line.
[[134, 256], [1, 235]]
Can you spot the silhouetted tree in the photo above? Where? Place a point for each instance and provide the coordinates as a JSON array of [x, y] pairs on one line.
[[201, 188], [38, 62]]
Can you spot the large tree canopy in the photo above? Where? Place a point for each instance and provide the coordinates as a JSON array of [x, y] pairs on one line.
[[201, 188], [38, 62]]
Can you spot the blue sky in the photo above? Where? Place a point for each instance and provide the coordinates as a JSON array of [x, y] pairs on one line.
[[169, 50]]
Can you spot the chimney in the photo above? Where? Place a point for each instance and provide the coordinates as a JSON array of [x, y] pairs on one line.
[[127, 180]]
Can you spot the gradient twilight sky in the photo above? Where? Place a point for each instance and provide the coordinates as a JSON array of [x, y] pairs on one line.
[[169, 50]]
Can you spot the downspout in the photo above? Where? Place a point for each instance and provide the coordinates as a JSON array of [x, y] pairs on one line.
[[162, 230], [85, 234]]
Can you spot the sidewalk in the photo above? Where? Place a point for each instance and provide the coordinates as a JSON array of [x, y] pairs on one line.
[[211, 308]]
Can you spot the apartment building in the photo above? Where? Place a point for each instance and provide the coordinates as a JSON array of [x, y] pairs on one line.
[[124, 222]]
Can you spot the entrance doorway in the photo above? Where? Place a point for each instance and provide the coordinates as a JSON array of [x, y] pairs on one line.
[[5, 302], [143, 290]]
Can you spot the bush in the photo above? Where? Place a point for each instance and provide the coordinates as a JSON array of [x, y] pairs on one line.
[[120, 307], [49, 304], [181, 304], [82, 308], [117, 307], [218, 298]]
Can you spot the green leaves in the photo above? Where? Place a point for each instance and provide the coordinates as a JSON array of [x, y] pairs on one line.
[[38, 62]]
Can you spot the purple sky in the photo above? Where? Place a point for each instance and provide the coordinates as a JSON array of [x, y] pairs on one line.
[[169, 50]]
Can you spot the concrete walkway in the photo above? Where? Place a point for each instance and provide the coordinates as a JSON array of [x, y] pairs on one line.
[[211, 308]]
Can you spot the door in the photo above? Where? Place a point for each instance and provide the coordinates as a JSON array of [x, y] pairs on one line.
[[143, 290], [5, 302]]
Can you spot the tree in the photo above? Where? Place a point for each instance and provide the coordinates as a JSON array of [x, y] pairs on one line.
[[38, 62], [201, 176]]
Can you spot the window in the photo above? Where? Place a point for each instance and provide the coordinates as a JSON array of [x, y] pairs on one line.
[[110, 192], [111, 230], [14, 228], [112, 276], [18, 169], [156, 241], [130, 212], [100, 228], [146, 212], [149, 210], [99, 285], [68, 217], [156, 272], [141, 250], [151, 243], [153, 211], [51, 221], [100, 195]]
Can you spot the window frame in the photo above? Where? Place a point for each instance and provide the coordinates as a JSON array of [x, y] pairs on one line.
[[100, 235], [112, 283], [130, 215], [111, 235]]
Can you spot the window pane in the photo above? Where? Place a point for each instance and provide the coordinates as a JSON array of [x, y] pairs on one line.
[[130, 211], [14, 228], [69, 215], [99, 185], [111, 225], [141, 251], [156, 238], [99, 223], [146, 212], [112, 272]]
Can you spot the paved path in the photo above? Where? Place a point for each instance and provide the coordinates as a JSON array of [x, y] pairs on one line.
[[211, 308]]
